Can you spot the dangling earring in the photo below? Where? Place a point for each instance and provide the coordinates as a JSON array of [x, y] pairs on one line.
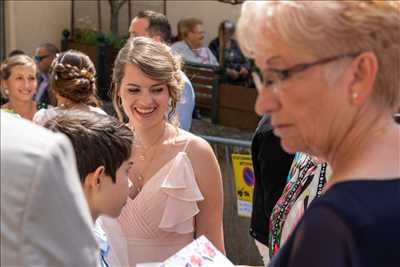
[[120, 102]]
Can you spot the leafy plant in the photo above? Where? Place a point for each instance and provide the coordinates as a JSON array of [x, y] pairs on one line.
[[115, 41], [86, 33]]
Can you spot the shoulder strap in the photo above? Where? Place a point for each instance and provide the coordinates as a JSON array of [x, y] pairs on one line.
[[186, 145]]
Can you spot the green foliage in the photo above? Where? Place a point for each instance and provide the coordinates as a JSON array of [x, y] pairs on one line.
[[115, 41], [86, 36], [85, 33]]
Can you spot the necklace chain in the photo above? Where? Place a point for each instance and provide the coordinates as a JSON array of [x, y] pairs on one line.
[[144, 149], [138, 180]]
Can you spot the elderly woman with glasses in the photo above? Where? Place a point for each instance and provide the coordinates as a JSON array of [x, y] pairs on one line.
[[328, 75]]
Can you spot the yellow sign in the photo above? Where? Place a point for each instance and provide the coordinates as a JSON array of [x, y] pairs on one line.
[[244, 182]]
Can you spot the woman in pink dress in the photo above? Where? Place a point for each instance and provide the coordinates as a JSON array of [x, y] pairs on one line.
[[177, 187]]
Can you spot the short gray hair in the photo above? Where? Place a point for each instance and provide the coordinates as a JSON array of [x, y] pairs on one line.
[[329, 28]]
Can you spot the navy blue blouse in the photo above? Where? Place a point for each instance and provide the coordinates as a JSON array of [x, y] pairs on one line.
[[355, 223]]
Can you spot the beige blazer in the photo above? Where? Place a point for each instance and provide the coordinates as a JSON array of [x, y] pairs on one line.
[[45, 219]]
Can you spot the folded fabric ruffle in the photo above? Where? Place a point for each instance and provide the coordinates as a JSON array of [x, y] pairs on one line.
[[182, 191]]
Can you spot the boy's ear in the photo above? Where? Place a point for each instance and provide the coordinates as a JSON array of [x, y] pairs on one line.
[[93, 179], [157, 38]]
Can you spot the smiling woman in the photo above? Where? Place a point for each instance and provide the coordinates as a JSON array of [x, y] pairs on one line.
[[177, 187], [18, 84]]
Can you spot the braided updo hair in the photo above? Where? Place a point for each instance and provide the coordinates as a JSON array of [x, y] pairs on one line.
[[73, 76]]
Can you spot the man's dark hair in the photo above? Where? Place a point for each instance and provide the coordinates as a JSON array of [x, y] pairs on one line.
[[98, 140], [16, 52], [158, 24], [50, 48]]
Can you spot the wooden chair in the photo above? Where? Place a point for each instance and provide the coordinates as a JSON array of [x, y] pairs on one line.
[[205, 81]]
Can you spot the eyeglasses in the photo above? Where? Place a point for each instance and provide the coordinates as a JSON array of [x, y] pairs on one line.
[[40, 58], [272, 78]]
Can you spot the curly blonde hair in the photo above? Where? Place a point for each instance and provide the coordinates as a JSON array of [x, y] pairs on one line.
[[156, 61], [331, 28]]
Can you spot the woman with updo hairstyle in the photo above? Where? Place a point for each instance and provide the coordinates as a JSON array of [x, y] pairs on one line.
[[176, 193], [18, 85], [328, 74], [73, 81]]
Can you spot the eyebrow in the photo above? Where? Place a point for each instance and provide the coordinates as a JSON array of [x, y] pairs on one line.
[[272, 59], [137, 85]]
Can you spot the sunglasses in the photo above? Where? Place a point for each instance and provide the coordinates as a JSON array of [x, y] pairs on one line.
[[40, 58]]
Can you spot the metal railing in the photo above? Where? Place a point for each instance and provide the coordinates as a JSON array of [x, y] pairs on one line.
[[226, 141], [239, 245]]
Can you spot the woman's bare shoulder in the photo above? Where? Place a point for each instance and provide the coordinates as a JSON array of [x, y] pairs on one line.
[[194, 142]]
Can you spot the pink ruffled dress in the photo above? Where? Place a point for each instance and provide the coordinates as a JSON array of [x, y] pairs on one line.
[[160, 220]]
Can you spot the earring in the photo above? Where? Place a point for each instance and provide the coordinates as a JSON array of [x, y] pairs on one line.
[[354, 96], [6, 91], [120, 102]]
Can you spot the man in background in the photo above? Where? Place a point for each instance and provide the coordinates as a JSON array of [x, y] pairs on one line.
[[155, 25], [44, 56]]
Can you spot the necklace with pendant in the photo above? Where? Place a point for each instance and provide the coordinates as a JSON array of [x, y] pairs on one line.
[[138, 180]]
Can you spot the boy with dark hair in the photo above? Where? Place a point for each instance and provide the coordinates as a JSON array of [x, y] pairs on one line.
[[102, 147]]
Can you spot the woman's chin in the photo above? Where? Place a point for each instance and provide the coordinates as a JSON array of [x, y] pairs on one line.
[[24, 98], [146, 123], [291, 147]]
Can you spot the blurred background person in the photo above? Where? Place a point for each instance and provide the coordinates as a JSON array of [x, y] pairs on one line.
[[226, 49], [179, 32], [44, 56], [271, 167], [333, 95], [192, 48], [306, 181], [73, 82], [18, 85]]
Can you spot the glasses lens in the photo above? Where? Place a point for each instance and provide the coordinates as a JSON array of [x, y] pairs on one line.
[[40, 58], [268, 79]]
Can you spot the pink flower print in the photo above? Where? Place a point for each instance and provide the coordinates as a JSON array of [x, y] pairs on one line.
[[209, 250], [196, 260]]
